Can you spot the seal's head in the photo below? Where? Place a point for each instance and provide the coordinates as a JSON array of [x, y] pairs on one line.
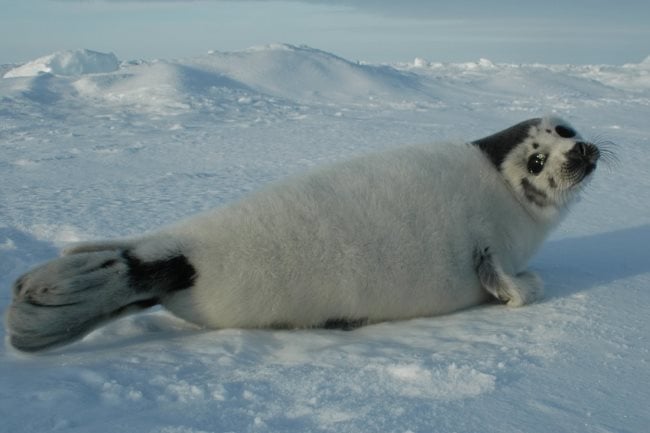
[[545, 161]]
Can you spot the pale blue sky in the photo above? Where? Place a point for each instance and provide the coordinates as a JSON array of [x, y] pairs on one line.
[[524, 31]]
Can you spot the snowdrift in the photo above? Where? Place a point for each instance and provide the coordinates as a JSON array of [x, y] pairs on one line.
[[315, 74], [254, 76], [67, 63], [281, 74]]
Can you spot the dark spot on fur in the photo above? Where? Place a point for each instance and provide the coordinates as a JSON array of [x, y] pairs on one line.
[[552, 183], [533, 194], [564, 131], [535, 145], [497, 146], [548, 131], [344, 324], [160, 276]]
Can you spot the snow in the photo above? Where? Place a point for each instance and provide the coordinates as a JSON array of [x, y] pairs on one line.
[[96, 148]]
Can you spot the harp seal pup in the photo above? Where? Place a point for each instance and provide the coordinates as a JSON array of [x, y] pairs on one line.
[[411, 232]]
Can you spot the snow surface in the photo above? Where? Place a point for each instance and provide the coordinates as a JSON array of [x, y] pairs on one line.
[[93, 151]]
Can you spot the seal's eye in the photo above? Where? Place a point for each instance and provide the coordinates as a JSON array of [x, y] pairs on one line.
[[536, 163]]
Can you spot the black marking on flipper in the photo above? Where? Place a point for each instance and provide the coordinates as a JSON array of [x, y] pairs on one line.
[[498, 145], [161, 276], [344, 324], [533, 194]]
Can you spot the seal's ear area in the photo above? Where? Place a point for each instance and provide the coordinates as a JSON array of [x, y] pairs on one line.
[[498, 145]]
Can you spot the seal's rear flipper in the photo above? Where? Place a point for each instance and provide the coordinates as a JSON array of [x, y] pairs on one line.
[[63, 300]]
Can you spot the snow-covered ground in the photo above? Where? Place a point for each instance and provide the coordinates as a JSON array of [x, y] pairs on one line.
[[93, 147]]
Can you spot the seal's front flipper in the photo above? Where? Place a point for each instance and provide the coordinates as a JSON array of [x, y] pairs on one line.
[[515, 291]]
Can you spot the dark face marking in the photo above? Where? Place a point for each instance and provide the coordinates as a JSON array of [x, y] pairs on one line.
[[160, 277], [533, 194], [564, 131], [344, 324], [552, 183], [535, 145], [497, 146]]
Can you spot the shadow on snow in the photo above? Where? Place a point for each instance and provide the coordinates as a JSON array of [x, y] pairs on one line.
[[573, 265]]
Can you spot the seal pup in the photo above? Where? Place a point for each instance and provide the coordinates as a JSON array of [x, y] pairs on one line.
[[410, 232]]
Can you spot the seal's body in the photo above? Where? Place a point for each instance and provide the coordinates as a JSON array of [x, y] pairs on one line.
[[410, 232]]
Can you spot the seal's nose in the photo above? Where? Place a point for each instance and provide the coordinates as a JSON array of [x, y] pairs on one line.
[[587, 152]]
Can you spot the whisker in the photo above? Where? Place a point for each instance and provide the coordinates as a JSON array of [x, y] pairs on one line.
[[610, 158], [607, 151]]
